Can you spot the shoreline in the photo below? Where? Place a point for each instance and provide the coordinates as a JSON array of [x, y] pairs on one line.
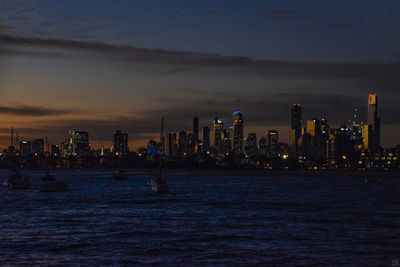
[[244, 172]]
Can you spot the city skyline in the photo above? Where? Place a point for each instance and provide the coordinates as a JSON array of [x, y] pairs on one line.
[[365, 127], [80, 64]]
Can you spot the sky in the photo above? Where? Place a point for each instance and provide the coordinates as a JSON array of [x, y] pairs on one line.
[[101, 65]]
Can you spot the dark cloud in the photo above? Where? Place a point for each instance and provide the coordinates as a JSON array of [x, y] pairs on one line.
[[22, 110], [209, 63]]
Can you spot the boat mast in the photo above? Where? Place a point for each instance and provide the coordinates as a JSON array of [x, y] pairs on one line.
[[162, 146]]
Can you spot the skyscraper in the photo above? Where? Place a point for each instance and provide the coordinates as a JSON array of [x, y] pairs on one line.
[[38, 146], [81, 143], [273, 143], [295, 132], [195, 129], [168, 145], [218, 129], [357, 131], [314, 129], [205, 135], [262, 148], [367, 136], [373, 120], [238, 132], [182, 143], [120, 142], [25, 147], [251, 148]]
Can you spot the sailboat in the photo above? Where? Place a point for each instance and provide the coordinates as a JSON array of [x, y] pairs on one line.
[[49, 182], [16, 181], [159, 185]]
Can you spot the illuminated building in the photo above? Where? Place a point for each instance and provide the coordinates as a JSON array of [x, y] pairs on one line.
[[324, 127], [340, 148], [68, 148], [25, 147], [38, 146], [238, 132], [373, 120], [81, 143], [205, 134], [314, 127], [367, 136], [273, 143], [218, 132], [314, 130], [152, 150], [120, 142], [357, 131]]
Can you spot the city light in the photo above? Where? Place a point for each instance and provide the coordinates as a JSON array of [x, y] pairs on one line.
[[316, 145]]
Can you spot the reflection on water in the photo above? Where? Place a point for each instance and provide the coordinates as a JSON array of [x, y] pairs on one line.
[[206, 219]]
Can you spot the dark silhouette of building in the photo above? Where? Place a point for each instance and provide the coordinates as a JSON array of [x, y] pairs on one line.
[[25, 147], [218, 134], [55, 150], [195, 129], [169, 145], [273, 143], [238, 132], [296, 122], [182, 143], [205, 133], [251, 147], [120, 142], [81, 143], [38, 146], [262, 146]]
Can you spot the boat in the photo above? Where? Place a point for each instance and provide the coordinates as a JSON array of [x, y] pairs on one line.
[[16, 181], [159, 185], [50, 184], [120, 175]]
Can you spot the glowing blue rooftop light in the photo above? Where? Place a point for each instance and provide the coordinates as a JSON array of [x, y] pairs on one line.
[[237, 111]]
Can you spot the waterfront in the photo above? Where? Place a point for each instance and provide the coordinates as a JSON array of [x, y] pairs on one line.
[[208, 219]]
